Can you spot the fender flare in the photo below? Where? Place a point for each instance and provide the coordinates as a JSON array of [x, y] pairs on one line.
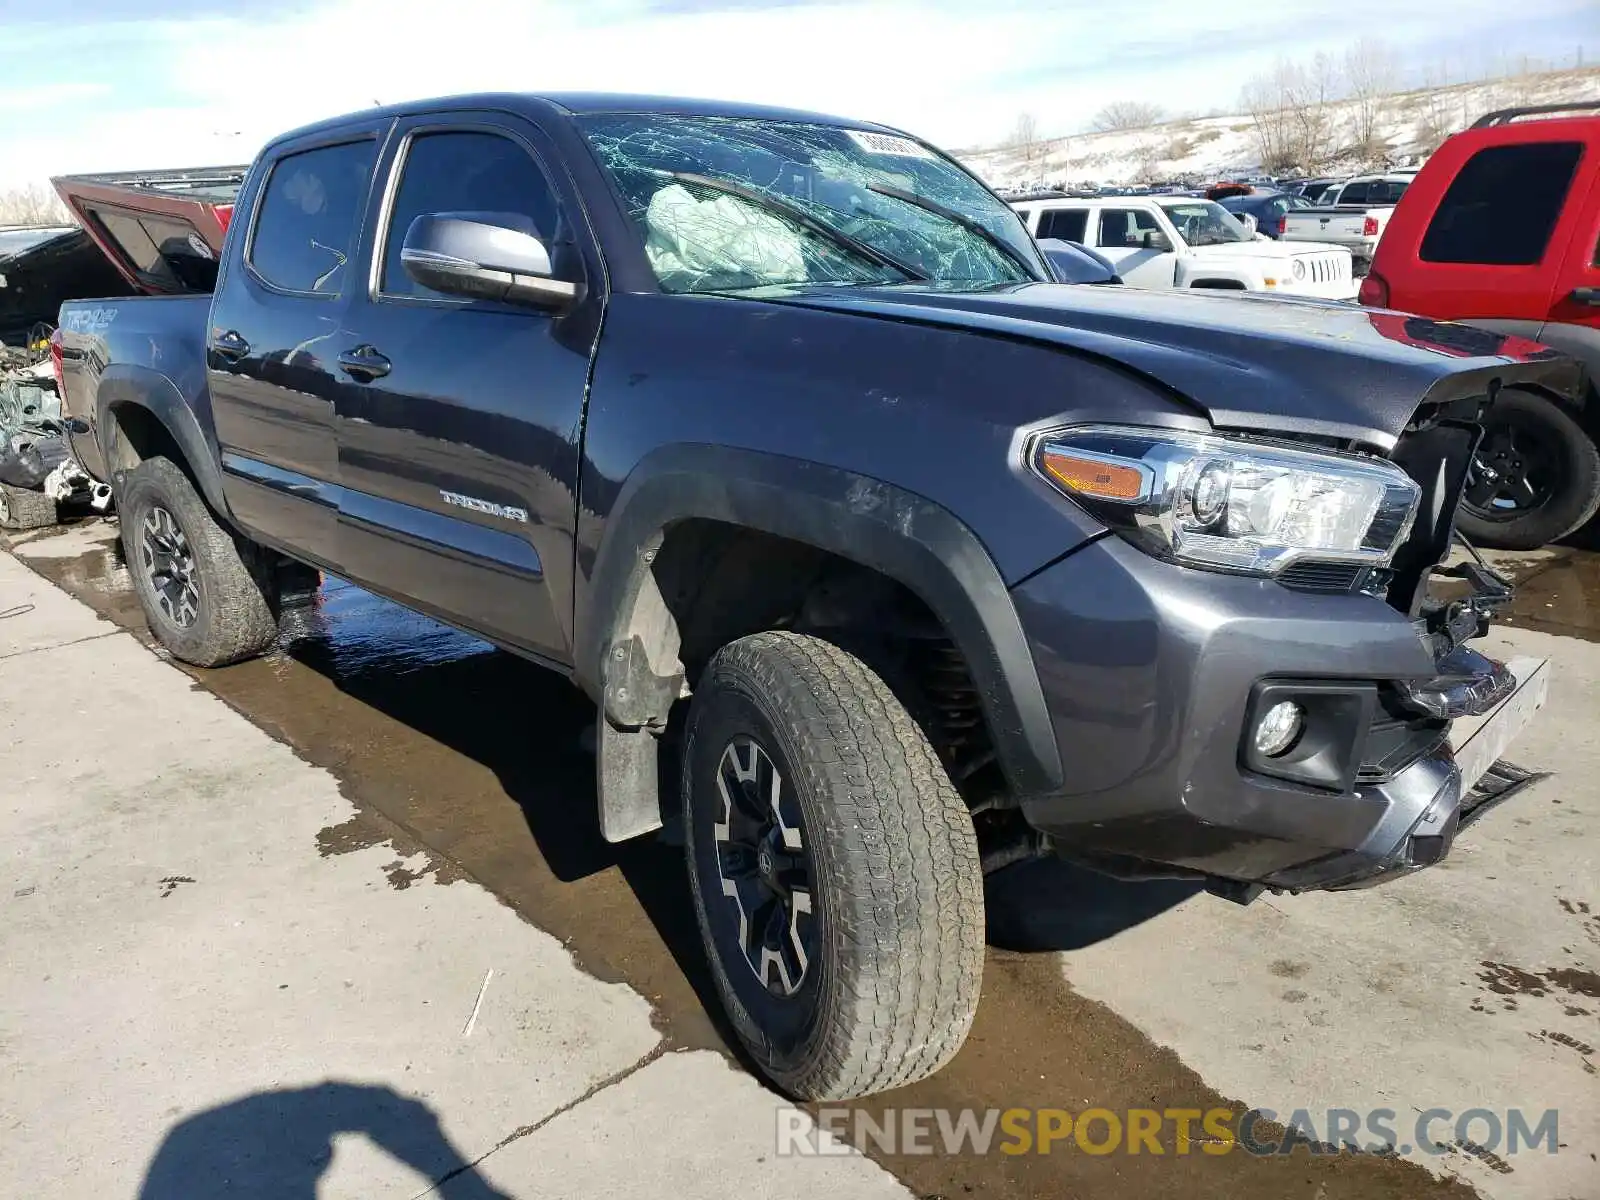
[[904, 536], [125, 385]]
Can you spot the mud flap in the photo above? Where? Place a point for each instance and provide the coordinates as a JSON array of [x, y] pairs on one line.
[[627, 780]]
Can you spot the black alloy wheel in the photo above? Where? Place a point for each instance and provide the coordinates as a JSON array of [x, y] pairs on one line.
[[168, 563], [764, 867]]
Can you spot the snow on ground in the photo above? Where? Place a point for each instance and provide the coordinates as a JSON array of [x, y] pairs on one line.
[[1211, 147]]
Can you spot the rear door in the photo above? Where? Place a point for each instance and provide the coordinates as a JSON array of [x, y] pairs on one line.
[[276, 331], [1495, 244], [458, 441]]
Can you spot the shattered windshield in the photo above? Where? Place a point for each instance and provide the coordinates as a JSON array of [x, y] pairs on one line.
[[725, 203], [1205, 223]]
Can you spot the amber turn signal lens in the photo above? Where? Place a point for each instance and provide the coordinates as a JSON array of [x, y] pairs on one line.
[[1093, 477]]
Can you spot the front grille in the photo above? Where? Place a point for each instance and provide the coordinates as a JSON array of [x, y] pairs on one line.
[[1323, 576], [1324, 268]]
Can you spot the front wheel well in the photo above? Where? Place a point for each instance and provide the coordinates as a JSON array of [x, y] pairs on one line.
[[707, 583], [1219, 285]]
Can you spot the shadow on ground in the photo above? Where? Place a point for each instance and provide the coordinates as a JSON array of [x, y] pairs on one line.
[[278, 1144]]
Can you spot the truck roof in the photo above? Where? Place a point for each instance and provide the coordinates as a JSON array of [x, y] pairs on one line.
[[583, 104]]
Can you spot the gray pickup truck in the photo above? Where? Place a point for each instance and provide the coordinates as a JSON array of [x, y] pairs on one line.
[[885, 558]]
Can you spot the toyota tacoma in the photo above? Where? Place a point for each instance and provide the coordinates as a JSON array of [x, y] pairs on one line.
[[884, 557]]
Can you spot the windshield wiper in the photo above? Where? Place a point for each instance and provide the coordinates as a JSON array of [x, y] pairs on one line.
[[961, 219], [801, 217]]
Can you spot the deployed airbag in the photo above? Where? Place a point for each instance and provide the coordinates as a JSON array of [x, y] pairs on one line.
[[723, 240]]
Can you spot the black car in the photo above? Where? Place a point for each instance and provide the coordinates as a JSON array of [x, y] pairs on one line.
[[1071, 262], [40, 268]]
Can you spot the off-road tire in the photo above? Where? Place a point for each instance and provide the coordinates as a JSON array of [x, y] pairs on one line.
[[235, 612], [21, 508], [895, 874], [1578, 497]]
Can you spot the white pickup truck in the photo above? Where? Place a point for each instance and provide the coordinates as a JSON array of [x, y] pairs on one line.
[[1183, 242], [1353, 215]]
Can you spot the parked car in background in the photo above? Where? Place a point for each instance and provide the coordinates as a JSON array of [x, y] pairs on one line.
[[1186, 242], [1073, 263], [1501, 230], [1352, 215], [40, 267], [890, 557], [1268, 208], [1312, 190]]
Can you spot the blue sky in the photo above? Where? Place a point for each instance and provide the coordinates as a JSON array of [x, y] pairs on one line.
[[111, 84]]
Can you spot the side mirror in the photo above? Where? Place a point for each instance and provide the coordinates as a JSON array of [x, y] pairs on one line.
[[1156, 240], [484, 256]]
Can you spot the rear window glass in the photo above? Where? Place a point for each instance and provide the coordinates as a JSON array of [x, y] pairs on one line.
[[165, 252], [1503, 206], [310, 213], [1068, 224]]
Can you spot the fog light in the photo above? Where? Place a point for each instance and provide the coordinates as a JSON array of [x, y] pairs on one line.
[[1279, 729]]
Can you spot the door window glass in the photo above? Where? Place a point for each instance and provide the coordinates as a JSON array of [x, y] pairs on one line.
[[1124, 228], [310, 214], [463, 172], [1068, 224], [1503, 205]]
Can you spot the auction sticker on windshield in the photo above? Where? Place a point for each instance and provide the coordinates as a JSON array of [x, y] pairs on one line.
[[883, 143]]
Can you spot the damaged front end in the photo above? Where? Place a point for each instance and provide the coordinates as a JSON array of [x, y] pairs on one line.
[[1456, 722], [1448, 604]]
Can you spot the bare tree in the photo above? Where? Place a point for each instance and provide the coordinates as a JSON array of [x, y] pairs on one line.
[[1437, 120], [1266, 99], [1308, 90], [1123, 115], [33, 204], [1024, 139], [1371, 76]]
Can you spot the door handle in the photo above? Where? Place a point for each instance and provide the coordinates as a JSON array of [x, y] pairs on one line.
[[1586, 295], [230, 345], [364, 364]]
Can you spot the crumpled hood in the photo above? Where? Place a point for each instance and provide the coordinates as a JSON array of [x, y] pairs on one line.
[[1257, 363]]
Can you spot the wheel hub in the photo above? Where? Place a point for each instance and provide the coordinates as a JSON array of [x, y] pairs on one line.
[[764, 867], [168, 563], [1500, 483]]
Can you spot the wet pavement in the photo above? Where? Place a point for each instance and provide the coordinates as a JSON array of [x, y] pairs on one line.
[[476, 760]]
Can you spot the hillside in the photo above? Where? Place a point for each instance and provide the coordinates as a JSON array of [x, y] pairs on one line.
[[1410, 125]]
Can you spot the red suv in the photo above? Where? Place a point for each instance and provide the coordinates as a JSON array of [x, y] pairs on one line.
[[1501, 229]]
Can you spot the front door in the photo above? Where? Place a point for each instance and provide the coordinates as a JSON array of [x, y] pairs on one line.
[[273, 341], [1134, 240], [458, 441]]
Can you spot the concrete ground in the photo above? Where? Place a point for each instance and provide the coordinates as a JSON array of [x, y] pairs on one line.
[[383, 811], [193, 996]]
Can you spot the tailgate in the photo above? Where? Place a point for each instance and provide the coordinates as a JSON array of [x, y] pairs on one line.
[[162, 230], [1314, 227]]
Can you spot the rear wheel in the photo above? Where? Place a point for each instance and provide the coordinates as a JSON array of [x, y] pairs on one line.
[[834, 870], [208, 596], [1535, 477], [24, 509]]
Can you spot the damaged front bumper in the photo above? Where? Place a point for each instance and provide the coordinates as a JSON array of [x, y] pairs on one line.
[[1439, 795], [1156, 677]]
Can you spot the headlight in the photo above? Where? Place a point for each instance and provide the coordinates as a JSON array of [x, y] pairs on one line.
[[1299, 269], [1231, 505]]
